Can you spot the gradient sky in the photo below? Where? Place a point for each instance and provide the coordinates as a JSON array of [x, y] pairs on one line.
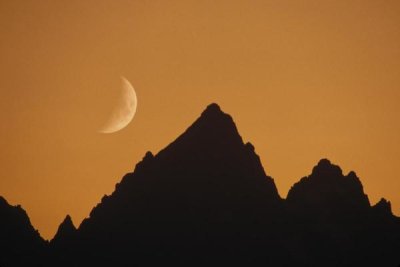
[[303, 80]]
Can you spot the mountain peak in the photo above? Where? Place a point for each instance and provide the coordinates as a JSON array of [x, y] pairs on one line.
[[327, 188], [68, 222], [213, 108], [207, 166], [213, 132], [214, 120], [325, 168], [210, 147], [65, 231]]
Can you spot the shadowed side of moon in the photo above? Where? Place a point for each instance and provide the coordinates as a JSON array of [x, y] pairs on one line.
[[124, 111]]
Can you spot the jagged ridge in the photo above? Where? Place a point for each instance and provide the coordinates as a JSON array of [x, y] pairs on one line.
[[205, 198]]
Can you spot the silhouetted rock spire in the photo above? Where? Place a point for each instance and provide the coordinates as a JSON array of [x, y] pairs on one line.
[[65, 232]]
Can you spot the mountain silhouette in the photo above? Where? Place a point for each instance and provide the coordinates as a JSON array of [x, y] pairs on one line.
[[335, 224], [20, 243], [205, 199], [328, 192]]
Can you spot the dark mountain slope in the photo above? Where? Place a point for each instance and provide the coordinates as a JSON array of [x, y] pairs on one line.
[[20, 244], [203, 198]]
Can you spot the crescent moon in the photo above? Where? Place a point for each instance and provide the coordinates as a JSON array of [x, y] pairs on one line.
[[125, 110]]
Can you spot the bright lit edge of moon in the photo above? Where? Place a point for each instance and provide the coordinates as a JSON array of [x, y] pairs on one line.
[[124, 112]]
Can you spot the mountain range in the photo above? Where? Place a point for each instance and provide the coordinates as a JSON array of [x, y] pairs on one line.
[[205, 199]]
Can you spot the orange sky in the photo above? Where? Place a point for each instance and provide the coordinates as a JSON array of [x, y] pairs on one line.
[[303, 80]]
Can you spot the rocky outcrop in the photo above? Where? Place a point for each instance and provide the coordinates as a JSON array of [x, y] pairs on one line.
[[327, 192]]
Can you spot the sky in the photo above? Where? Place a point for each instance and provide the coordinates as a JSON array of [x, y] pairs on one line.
[[303, 80]]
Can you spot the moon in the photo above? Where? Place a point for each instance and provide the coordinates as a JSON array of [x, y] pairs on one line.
[[124, 111]]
